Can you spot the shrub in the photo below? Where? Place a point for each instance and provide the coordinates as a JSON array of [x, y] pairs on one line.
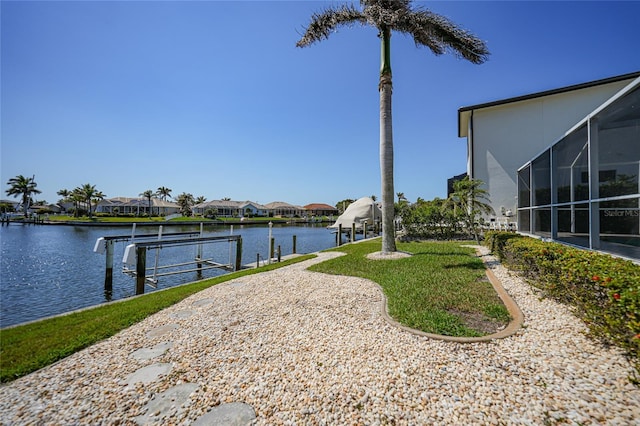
[[603, 290], [496, 240]]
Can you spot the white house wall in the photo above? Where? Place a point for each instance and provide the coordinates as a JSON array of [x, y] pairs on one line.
[[507, 136]]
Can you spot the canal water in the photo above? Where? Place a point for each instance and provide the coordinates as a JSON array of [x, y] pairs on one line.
[[51, 269]]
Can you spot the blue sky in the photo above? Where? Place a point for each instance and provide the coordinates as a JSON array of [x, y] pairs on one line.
[[213, 98]]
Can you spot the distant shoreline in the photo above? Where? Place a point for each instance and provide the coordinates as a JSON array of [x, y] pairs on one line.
[[275, 221]]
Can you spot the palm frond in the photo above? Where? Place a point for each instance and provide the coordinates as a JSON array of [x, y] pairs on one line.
[[441, 35], [324, 23]]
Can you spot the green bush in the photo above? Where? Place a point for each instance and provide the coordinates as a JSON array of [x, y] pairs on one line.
[[604, 290], [496, 240]]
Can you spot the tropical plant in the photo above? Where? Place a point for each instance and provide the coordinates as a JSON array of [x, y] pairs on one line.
[[24, 187], [66, 196], [97, 197], [469, 202], [201, 199], [64, 193], [148, 194], [164, 193], [343, 204], [402, 205], [185, 201], [427, 29], [428, 219], [86, 193], [76, 197]]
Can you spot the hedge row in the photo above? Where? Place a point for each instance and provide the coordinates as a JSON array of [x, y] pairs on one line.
[[604, 290]]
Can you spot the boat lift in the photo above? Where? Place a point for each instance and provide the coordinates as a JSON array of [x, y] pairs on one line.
[[135, 255]]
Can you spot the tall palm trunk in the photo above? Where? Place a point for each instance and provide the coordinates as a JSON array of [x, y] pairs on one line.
[[386, 145]]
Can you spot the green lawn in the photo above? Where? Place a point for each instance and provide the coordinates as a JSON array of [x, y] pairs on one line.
[[441, 289]]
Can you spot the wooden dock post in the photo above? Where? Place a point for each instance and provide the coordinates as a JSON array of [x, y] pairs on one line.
[[295, 239], [141, 268], [199, 251], [108, 273], [271, 249], [353, 232], [257, 260], [279, 254], [238, 254], [339, 235], [364, 230]]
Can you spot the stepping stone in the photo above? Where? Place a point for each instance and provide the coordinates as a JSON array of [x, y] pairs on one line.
[[182, 314], [144, 354], [202, 302], [163, 329], [148, 374], [160, 405], [233, 414]]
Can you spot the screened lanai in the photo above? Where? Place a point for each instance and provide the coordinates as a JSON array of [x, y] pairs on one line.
[[584, 190]]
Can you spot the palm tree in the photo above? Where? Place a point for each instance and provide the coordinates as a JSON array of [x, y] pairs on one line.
[[97, 197], [185, 201], [164, 193], [64, 193], [201, 199], [427, 29], [468, 200], [76, 197], [24, 187], [148, 194], [86, 193]]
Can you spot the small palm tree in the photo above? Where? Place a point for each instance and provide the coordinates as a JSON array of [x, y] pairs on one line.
[[469, 202], [97, 197], [76, 197], [164, 193], [201, 199], [185, 201], [24, 187], [427, 29], [64, 193], [86, 193], [148, 194]]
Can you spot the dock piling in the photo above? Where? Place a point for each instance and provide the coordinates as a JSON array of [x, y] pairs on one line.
[[238, 265], [108, 273], [141, 268]]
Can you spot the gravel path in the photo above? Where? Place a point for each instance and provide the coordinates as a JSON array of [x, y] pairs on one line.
[[296, 347]]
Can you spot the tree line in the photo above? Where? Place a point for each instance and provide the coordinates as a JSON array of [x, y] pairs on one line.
[[86, 197]]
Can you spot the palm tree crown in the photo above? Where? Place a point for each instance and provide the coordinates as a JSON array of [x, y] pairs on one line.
[[87, 193], [23, 187], [427, 30], [163, 193], [148, 194], [473, 202]]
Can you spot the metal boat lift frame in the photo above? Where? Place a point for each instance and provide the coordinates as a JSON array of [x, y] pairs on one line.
[[140, 250]]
